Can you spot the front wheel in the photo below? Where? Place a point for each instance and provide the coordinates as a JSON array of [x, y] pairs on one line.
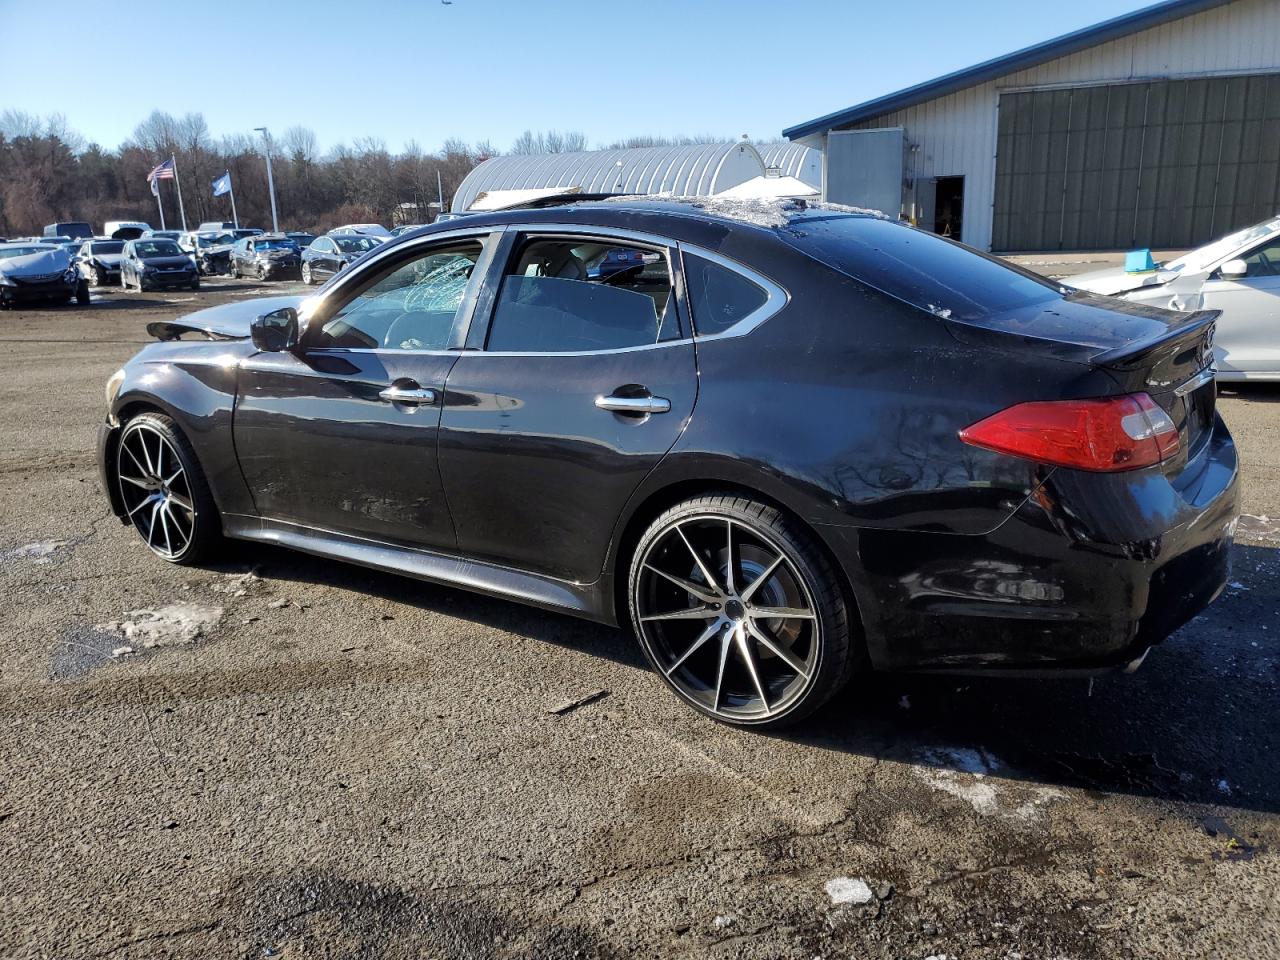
[[164, 492], [232, 271], [740, 612], [82, 293], [306, 275]]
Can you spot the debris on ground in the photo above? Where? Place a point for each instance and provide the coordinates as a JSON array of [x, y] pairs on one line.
[[570, 705], [844, 890]]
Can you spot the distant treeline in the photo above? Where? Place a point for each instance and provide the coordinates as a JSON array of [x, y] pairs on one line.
[[49, 173]]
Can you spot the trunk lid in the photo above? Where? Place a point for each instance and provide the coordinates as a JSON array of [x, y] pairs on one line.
[[1144, 349]]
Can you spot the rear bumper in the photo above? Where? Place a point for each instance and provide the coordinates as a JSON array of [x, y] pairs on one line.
[[1084, 577]]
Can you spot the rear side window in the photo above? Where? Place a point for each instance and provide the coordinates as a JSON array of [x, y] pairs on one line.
[[561, 296], [943, 277], [718, 296]]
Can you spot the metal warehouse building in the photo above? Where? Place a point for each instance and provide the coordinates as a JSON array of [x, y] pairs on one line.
[[699, 170], [1160, 128]]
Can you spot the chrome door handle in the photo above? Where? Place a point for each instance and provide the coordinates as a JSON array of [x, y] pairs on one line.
[[409, 395], [634, 404]]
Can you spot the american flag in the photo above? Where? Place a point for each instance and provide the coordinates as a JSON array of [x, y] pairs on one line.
[[163, 172]]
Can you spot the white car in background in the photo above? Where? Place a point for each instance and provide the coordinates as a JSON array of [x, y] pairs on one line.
[[1239, 275], [375, 230]]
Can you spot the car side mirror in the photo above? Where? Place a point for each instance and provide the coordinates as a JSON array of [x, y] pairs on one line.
[[1234, 268], [276, 331]]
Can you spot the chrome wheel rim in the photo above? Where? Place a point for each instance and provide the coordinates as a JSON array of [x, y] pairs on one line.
[[727, 618], [155, 491], [306, 273]]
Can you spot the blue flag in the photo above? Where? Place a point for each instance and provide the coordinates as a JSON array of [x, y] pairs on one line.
[[222, 184]]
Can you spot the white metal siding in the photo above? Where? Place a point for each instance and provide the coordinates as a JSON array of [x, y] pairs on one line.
[[956, 134]]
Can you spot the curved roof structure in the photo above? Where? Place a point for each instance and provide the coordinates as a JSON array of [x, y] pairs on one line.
[[793, 160], [698, 170]]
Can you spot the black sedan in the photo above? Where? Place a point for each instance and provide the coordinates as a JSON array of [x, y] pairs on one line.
[[264, 257], [787, 448], [333, 253], [156, 265]]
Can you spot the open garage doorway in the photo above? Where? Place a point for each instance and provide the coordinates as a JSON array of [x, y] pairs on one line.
[[948, 207]]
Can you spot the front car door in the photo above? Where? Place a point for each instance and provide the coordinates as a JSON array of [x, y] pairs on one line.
[[340, 434], [576, 382], [323, 265], [1247, 338]]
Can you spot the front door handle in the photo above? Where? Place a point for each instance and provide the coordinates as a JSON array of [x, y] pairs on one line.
[[637, 405], [409, 395]]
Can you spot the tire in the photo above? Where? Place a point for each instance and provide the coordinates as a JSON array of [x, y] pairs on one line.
[[306, 275], [172, 512], [232, 271], [82, 293], [99, 277], [712, 644], [195, 284]]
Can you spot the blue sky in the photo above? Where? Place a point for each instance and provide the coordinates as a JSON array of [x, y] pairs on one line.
[[475, 69]]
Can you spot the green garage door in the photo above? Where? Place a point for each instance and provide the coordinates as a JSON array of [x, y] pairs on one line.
[[1166, 164]]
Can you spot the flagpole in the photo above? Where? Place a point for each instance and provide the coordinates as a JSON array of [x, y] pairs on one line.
[[178, 183], [232, 190], [155, 188]]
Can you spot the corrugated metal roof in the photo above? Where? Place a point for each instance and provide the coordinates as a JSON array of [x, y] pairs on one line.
[[699, 170], [793, 160], [1062, 46]]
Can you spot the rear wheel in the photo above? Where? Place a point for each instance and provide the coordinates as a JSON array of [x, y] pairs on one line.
[[164, 491], [306, 274], [740, 612]]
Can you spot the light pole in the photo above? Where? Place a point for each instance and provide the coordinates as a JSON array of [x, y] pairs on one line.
[[271, 182]]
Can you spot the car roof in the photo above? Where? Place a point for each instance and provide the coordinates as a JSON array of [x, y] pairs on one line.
[[694, 219]]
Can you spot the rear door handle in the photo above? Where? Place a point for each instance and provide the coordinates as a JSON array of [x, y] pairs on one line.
[[409, 395], [634, 404]]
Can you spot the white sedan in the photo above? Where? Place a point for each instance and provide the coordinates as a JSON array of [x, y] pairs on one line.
[[1239, 275]]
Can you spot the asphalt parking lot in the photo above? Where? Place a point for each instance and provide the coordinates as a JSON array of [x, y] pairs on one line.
[[281, 756]]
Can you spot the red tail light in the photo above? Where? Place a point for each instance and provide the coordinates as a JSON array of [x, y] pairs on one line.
[[1107, 434]]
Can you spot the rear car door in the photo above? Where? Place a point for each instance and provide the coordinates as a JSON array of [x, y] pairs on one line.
[[340, 434], [573, 387], [1248, 333]]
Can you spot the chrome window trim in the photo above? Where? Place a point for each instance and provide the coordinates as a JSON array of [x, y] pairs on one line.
[[775, 296]]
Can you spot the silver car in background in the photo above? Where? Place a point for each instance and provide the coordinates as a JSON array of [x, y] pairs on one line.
[[39, 271], [1238, 274]]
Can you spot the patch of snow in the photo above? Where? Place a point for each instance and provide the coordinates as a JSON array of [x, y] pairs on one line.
[[962, 773], [943, 312], [174, 625], [721, 922], [843, 890], [39, 552], [237, 584]]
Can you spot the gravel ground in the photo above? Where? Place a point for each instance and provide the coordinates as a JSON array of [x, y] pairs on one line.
[[281, 756]]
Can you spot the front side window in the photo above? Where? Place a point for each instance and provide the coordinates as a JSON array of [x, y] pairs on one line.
[[1265, 261], [410, 306], [571, 295], [719, 297]]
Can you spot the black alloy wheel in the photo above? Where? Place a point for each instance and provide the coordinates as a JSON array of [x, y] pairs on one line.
[[164, 491], [739, 612]]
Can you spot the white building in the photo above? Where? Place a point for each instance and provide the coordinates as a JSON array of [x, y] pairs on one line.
[[1159, 128]]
